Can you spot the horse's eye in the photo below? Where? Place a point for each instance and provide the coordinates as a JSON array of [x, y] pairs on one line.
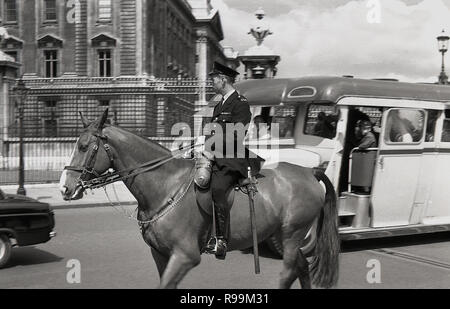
[[83, 148]]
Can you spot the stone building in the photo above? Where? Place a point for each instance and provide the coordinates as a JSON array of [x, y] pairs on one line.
[[140, 58]]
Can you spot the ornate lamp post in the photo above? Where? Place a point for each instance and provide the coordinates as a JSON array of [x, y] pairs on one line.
[[21, 92], [443, 47]]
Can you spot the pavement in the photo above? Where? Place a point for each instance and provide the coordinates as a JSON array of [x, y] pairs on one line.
[[49, 193]]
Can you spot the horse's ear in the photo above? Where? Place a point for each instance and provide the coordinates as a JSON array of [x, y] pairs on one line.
[[103, 119], [84, 120]]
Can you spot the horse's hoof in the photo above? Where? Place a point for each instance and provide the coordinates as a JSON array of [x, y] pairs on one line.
[[221, 255]]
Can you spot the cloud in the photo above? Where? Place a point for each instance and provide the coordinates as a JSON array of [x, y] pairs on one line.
[[335, 38]]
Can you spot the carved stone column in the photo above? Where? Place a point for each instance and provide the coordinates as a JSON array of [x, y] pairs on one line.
[[202, 75]]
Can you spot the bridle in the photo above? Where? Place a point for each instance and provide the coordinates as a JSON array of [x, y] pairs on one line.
[[111, 177], [88, 168]]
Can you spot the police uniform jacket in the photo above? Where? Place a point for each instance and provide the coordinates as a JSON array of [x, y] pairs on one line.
[[235, 110]]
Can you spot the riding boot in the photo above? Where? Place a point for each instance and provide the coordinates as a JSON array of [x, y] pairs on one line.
[[222, 232]]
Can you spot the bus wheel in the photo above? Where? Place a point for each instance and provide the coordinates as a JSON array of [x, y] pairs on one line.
[[275, 244], [5, 250]]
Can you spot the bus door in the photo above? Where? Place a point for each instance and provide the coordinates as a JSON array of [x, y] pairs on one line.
[[398, 166], [438, 210]]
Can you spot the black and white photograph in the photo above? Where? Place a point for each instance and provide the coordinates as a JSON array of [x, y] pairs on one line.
[[224, 148]]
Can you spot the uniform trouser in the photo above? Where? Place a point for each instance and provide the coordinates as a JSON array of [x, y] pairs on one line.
[[223, 180]]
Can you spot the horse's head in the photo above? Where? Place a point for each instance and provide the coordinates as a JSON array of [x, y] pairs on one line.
[[89, 158]]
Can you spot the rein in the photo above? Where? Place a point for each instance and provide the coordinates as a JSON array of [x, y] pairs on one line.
[[171, 203], [112, 177]]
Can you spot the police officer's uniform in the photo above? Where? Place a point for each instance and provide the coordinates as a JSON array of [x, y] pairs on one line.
[[228, 168]]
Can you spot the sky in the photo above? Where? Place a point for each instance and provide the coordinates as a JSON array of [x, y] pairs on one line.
[[363, 38]]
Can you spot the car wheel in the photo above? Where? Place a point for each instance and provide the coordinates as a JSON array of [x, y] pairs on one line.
[[5, 250]]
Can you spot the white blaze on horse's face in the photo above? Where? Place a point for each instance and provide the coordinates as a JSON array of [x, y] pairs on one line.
[[63, 186]]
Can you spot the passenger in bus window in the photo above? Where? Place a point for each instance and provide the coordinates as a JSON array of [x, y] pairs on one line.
[[354, 117], [326, 125], [431, 125], [363, 133], [320, 124], [262, 128], [288, 128], [446, 131], [399, 130]]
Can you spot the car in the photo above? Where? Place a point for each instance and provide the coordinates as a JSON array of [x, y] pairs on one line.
[[23, 222]]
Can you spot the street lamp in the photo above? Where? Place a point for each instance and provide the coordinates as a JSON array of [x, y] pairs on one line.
[[21, 92], [443, 47]]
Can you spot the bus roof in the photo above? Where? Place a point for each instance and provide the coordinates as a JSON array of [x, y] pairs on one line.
[[331, 89]]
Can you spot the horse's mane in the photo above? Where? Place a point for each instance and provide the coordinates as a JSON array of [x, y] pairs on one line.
[[128, 134]]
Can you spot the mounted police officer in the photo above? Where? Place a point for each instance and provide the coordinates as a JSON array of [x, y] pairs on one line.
[[228, 127]]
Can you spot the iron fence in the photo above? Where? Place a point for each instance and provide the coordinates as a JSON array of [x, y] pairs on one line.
[[147, 107]]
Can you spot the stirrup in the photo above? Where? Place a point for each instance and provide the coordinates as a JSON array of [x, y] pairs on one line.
[[211, 246]]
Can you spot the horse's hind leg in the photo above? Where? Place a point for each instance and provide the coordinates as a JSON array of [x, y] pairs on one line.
[[295, 264], [178, 266], [303, 270]]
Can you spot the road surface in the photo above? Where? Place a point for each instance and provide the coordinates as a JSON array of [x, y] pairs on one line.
[[112, 254]]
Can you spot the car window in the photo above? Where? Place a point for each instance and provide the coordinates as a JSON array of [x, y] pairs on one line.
[[2, 195]]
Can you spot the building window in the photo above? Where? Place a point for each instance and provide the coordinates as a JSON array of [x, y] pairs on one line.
[[50, 128], [104, 10], [50, 10], [104, 61], [49, 114], [10, 11], [103, 103], [160, 117], [51, 63], [13, 54], [50, 104]]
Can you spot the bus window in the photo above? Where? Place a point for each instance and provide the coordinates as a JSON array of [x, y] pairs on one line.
[[433, 115], [404, 126], [267, 118], [375, 115], [285, 117], [321, 120], [446, 129]]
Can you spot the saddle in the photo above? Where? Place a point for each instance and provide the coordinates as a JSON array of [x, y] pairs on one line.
[[202, 179]]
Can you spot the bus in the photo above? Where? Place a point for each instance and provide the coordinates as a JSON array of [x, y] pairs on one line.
[[399, 187]]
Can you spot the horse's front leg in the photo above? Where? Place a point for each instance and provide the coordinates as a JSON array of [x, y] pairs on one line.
[[177, 268], [161, 262]]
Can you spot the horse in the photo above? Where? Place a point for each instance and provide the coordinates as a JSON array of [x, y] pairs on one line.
[[171, 209]]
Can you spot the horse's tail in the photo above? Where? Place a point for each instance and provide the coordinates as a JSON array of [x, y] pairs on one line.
[[325, 267]]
